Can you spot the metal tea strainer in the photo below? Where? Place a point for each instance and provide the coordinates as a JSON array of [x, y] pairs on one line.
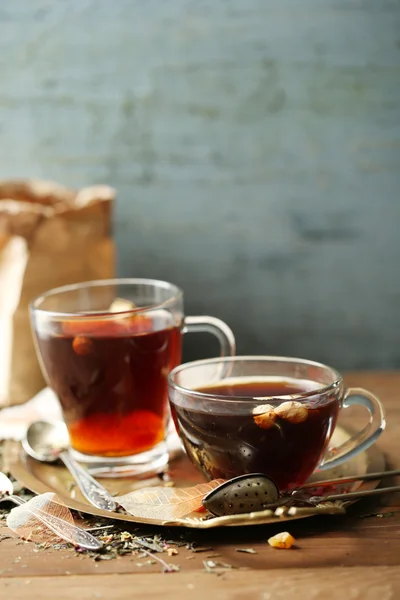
[[243, 494]]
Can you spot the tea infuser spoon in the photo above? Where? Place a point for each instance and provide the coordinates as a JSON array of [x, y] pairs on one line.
[[244, 494], [48, 442], [80, 536]]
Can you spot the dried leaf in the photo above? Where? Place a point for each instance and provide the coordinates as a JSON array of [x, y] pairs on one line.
[[201, 549], [166, 504], [46, 519]]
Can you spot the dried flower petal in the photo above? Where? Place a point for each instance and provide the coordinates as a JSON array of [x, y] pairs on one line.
[[121, 305], [282, 540], [82, 345], [294, 412], [264, 416]]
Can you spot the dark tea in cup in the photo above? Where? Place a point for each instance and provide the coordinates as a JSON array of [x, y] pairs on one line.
[[282, 440], [111, 379], [266, 415]]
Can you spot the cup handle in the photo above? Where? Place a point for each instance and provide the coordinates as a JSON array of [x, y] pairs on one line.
[[364, 438], [216, 327]]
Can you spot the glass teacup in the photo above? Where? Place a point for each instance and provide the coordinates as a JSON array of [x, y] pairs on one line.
[[263, 414], [106, 349]]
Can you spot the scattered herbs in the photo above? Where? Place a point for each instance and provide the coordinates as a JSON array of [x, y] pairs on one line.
[[246, 550], [196, 549], [123, 543], [378, 515], [210, 566], [100, 527], [167, 568], [144, 550]]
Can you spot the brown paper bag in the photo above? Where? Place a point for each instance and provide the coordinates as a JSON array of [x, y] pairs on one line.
[[49, 236]]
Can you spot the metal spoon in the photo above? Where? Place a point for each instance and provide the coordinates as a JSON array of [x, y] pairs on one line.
[[352, 478], [48, 442], [353, 495], [80, 536]]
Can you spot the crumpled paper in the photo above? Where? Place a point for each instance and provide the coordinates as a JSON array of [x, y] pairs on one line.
[[50, 236]]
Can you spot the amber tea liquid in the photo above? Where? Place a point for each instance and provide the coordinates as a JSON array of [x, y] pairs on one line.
[[111, 379], [225, 444]]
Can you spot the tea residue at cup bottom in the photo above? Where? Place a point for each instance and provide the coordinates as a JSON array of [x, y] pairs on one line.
[[117, 435]]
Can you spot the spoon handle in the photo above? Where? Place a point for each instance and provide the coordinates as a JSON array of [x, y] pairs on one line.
[[339, 480], [12, 498], [90, 488], [353, 495]]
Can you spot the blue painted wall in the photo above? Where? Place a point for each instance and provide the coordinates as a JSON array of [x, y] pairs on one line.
[[255, 146]]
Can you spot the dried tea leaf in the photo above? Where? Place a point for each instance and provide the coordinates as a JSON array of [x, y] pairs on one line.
[[45, 519], [166, 504], [211, 566], [379, 515], [201, 549]]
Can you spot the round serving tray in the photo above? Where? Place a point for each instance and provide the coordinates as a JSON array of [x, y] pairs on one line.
[[42, 477]]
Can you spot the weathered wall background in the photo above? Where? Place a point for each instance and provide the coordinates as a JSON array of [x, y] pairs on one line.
[[255, 146]]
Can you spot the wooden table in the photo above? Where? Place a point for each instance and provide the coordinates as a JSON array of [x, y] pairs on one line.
[[335, 557]]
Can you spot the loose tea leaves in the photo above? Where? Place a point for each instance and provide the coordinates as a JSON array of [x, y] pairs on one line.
[[166, 504], [378, 515], [123, 543], [210, 566]]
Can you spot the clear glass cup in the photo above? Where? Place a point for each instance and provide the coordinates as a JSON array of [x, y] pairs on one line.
[[264, 414], [106, 349]]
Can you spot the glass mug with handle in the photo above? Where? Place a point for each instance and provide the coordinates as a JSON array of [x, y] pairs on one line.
[[265, 414], [106, 348]]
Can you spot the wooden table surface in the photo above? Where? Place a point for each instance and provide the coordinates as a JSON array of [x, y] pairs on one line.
[[335, 557]]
